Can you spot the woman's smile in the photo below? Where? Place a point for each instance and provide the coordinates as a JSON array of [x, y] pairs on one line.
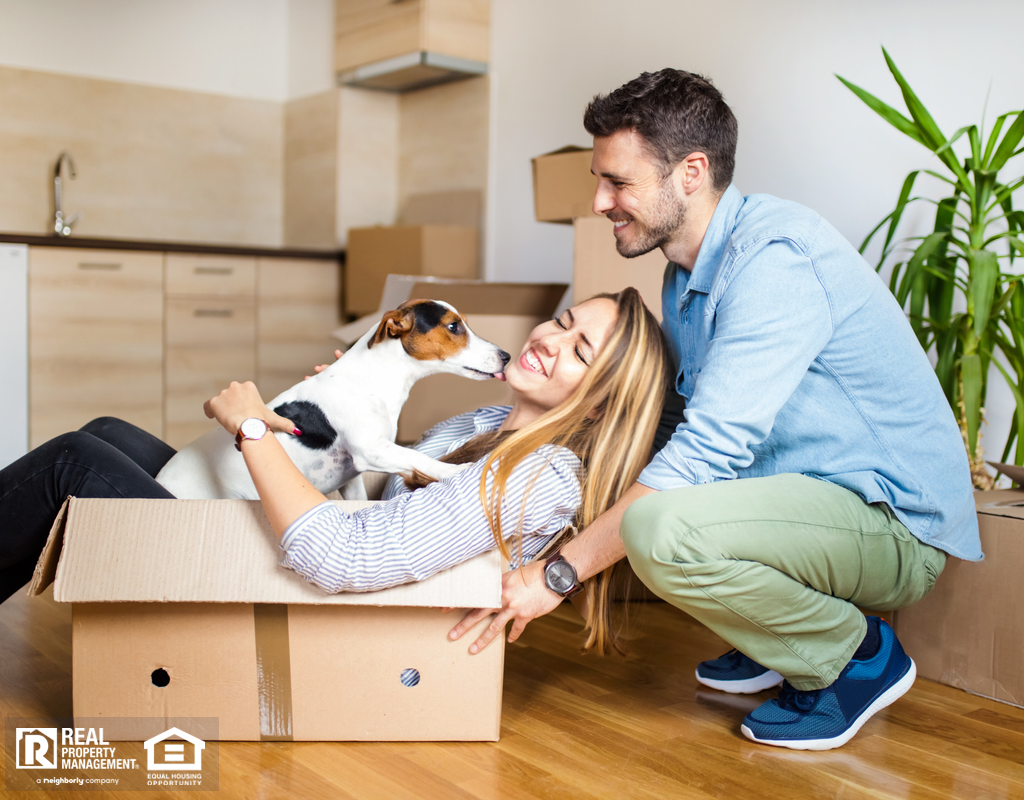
[[531, 361]]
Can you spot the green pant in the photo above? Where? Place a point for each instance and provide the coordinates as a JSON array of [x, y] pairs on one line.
[[776, 565]]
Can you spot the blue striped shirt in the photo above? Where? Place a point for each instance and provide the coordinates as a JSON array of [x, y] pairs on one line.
[[413, 535]]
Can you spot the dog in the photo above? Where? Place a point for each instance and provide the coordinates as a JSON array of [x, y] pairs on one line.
[[348, 413]]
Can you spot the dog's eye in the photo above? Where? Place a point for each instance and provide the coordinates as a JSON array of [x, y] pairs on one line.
[[455, 328]]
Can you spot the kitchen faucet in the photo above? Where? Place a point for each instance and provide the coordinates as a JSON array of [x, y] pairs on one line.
[[61, 226]]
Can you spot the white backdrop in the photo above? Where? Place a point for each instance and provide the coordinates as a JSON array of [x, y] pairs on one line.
[[803, 135]]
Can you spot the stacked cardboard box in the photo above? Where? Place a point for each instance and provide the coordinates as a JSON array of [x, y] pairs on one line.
[[969, 632]]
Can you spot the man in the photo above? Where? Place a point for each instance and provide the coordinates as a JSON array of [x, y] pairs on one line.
[[818, 467]]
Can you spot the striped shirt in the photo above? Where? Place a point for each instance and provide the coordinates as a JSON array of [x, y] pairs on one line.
[[414, 534]]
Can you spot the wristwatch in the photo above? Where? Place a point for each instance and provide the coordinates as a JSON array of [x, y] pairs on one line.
[[560, 576], [252, 428]]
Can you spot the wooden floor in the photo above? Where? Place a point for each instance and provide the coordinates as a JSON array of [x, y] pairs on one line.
[[584, 727]]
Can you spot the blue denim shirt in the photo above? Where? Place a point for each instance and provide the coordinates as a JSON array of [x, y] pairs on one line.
[[794, 357]]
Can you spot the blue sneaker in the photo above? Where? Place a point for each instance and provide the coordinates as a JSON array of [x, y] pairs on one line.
[[829, 717], [736, 673]]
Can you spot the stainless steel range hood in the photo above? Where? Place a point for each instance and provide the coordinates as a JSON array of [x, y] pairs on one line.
[[416, 70]]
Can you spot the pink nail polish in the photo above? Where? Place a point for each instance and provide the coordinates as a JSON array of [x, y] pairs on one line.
[[297, 432]]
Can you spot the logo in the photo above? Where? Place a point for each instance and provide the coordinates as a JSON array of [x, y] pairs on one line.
[[184, 753], [36, 748]]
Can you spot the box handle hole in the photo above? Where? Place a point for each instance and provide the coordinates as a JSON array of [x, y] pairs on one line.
[[410, 677], [160, 677]]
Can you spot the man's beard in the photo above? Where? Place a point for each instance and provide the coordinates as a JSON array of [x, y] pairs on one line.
[[664, 220]]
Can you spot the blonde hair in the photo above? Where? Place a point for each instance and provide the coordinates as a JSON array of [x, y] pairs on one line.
[[626, 386]]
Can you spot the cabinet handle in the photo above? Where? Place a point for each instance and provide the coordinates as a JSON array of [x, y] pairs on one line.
[[213, 312], [98, 265], [213, 270]]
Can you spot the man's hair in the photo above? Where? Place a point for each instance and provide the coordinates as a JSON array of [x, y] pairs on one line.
[[675, 113]]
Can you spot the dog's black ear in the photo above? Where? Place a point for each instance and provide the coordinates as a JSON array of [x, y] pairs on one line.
[[393, 324]]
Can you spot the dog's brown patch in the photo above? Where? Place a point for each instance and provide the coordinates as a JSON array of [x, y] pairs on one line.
[[429, 331]]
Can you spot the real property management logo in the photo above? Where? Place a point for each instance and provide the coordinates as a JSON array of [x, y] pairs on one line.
[[36, 748]]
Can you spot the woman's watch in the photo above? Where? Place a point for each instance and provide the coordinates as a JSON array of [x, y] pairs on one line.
[[252, 428], [560, 576]]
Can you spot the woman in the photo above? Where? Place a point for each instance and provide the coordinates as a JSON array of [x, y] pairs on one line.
[[582, 389]]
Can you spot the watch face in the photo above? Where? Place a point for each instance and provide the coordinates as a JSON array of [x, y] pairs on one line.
[[561, 577], [253, 428]]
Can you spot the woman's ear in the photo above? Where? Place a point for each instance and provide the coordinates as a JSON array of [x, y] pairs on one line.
[[393, 324]]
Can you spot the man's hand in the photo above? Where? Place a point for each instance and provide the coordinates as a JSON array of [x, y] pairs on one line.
[[524, 597]]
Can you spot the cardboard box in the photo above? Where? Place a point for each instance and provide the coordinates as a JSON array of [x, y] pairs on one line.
[[969, 632], [450, 251], [598, 267], [563, 186], [503, 313], [194, 588]]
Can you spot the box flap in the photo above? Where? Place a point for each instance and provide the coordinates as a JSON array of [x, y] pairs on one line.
[[1011, 471], [468, 296], [222, 551], [1001, 503], [46, 566]]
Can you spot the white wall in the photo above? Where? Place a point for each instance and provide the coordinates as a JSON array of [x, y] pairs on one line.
[[260, 49], [803, 135]]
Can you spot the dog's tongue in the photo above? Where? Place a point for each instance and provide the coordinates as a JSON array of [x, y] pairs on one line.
[[499, 375]]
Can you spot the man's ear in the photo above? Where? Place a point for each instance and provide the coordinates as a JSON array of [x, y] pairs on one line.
[[692, 173], [393, 324]]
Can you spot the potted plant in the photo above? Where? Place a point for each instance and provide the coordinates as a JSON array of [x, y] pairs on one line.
[[955, 282]]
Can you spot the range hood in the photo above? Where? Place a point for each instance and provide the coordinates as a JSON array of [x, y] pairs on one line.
[[416, 70]]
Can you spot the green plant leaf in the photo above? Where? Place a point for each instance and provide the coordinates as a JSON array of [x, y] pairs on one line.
[[925, 249], [971, 375], [887, 112], [897, 213], [947, 350], [1008, 145], [994, 137], [984, 275]]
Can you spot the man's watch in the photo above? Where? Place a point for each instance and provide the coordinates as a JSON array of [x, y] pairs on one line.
[[560, 576], [252, 428]]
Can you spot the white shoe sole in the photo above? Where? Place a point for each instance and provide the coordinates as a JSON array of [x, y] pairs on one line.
[[890, 696], [750, 686]]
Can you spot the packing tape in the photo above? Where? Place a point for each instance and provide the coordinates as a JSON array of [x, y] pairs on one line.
[[273, 671]]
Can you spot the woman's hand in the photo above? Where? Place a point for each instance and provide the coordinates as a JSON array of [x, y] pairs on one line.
[[524, 597], [239, 402]]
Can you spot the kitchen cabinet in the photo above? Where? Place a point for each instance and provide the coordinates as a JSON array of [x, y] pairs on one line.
[[210, 337], [95, 339], [150, 336]]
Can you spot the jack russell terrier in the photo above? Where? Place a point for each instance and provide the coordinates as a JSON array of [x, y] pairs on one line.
[[348, 413]]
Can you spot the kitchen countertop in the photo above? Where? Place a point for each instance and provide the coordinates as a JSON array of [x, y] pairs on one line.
[[35, 240]]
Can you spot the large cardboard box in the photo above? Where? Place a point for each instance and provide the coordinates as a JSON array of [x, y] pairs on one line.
[[969, 632], [563, 185], [598, 267], [503, 313], [181, 610], [450, 251]]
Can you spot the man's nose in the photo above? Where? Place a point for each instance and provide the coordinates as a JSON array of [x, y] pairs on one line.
[[604, 199]]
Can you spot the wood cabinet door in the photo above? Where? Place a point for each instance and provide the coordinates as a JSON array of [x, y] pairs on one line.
[[210, 342], [95, 339], [298, 308]]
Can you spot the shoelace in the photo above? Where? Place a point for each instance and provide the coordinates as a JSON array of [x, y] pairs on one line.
[[800, 701], [735, 657]]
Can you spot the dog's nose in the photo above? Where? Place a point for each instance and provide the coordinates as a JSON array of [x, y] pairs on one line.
[[505, 357]]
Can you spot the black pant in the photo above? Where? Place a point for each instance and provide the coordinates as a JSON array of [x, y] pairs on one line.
[[106, 458]]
